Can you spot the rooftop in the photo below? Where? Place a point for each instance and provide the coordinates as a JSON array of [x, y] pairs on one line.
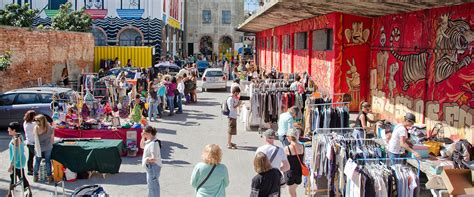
[[281, 12]]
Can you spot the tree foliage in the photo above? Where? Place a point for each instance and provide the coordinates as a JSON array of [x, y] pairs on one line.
[[18, 16], [68, 20]]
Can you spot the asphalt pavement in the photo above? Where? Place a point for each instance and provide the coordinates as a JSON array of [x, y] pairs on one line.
[[183, 138]]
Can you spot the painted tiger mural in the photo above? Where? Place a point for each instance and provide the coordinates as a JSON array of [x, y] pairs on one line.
[[414, 65], [453, 38]]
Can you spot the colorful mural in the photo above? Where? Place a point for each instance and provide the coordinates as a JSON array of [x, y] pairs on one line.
[[425, 67]]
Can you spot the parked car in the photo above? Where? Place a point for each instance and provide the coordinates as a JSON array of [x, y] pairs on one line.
[[202, 65], [131, 72], [166, 67], [15, 103], [213, 78]]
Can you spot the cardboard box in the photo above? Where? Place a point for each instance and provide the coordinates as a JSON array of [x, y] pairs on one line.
[[458, 181]]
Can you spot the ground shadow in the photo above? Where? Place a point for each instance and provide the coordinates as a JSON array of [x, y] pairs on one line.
[[247, 148], [182, 118], [167, 148], [206, 103], [178, 163], [166, 131]]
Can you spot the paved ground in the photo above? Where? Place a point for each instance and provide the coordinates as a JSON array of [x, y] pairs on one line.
[[184, 137]]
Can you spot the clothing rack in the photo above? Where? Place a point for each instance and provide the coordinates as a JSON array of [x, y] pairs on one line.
[[400, 158], [324, 104], [388, 159]]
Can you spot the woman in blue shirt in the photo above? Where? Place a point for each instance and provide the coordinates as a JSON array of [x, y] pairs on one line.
[[17, 157], [210, 177]]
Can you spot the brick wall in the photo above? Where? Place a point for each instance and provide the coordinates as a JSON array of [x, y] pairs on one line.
[[43, 54]]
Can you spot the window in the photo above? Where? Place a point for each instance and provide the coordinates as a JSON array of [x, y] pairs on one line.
[[226, 17], [7, 99], [54, 5], [322, 39], [286, 42], [206, 17], [46, 98], [214, 74], [26, 99], [301, 40]]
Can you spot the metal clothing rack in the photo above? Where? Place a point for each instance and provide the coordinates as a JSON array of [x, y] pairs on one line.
[[388, 159], [324, 104]]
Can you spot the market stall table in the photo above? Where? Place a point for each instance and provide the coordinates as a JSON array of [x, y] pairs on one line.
[[89, 155], [102, 134]]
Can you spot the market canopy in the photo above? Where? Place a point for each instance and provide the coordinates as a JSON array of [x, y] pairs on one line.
[[281, 12]]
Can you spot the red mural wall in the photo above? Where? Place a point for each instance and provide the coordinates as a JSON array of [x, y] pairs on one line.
[[425, 66]]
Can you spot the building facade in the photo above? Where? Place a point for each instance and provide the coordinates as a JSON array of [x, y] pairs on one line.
[[423, 66], [123, 22], [211, 27]]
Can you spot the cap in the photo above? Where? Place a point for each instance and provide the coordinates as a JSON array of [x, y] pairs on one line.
[[292, 132], [269, 133], [410, 117]]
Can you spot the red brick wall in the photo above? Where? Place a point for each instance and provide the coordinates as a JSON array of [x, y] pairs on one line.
[[43, 54]]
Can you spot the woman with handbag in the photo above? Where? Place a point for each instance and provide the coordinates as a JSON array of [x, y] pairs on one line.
[[210, 177], [295, 154]]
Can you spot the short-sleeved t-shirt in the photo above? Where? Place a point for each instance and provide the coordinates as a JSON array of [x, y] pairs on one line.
[[394, 143], [266, 184], [268, 150], [231, 102]]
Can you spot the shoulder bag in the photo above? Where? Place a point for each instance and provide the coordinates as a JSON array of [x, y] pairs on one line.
[[304, 169], [274, 154], [207, 177]]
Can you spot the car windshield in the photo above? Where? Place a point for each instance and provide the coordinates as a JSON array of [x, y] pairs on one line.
[[214, 73]]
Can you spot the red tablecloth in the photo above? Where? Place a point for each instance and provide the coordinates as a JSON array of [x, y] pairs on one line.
[[99, 133]]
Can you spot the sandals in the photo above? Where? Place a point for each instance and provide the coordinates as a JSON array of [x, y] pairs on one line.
[[232, 146]]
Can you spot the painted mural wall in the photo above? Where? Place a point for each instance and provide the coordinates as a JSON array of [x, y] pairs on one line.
[[425, 66]]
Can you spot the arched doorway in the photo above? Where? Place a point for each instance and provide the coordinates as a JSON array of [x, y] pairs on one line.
[[205, 45], [130, 36], [100, 38], [226, 47]]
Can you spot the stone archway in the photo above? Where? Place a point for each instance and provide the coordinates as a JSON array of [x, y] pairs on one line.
[[130, 36], [226, 47], [205, 45], [100, 37]]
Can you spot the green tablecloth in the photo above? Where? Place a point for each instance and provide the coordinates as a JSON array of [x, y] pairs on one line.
[[94, 155]]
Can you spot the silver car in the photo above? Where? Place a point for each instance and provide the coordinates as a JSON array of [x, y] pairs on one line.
[[15, 103]]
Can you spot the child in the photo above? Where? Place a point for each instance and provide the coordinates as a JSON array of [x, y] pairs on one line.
[[17, 157]]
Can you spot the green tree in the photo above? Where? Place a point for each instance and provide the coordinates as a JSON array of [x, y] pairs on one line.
[[68, 20], [18, 16]]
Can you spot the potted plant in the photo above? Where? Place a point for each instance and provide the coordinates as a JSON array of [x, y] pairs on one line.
[[132, 149]]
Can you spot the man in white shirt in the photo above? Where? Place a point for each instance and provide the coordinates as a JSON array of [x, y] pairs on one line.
[[398, 141], [275, 154], [285, 122], [233, 102]]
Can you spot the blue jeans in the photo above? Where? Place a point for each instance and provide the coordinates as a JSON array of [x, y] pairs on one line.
[[47, 158], [170, 100], [180, 103], [284, 141], [153, 179], [152, 109], [392, 157]]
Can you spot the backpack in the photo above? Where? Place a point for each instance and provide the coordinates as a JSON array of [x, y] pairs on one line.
[[225, 108]]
